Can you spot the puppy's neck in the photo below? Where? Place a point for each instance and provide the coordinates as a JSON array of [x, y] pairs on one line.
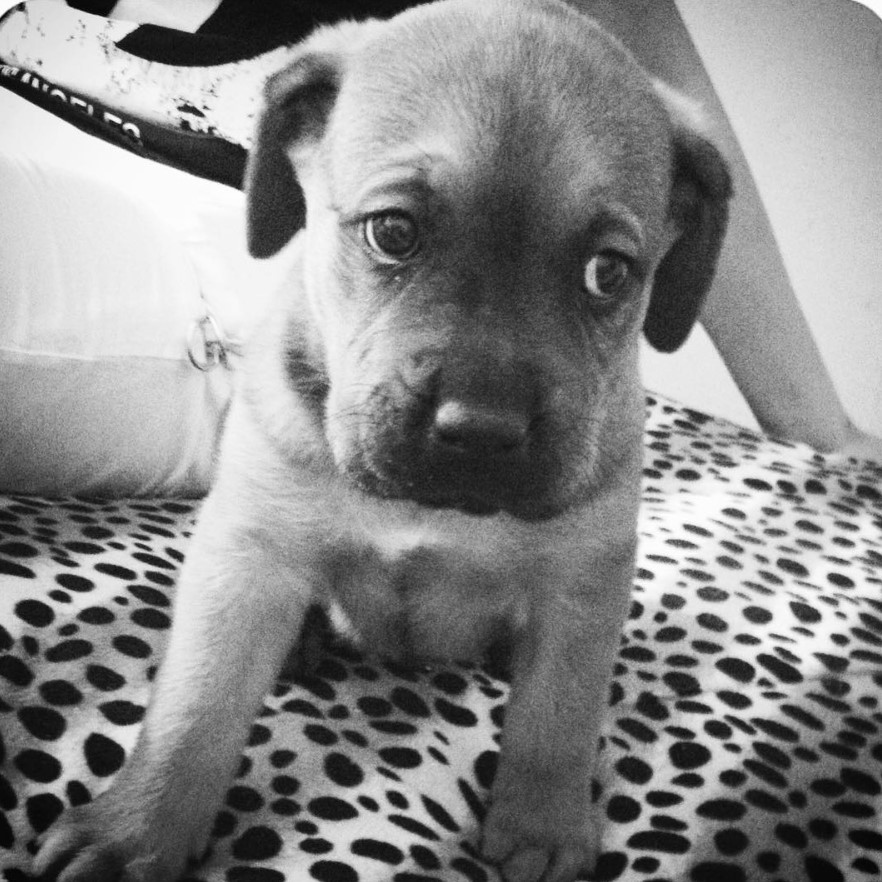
[[284, 384]]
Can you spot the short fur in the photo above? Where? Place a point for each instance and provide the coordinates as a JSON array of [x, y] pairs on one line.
[[445, 447]]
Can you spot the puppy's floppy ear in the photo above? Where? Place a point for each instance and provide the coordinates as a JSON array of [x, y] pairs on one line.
[[698, 213], [297, 103]]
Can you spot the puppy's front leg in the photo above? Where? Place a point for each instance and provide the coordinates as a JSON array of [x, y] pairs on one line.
[[541, 823], [237, 611]]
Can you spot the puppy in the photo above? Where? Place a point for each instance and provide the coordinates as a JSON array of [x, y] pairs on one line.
[[438, 430]]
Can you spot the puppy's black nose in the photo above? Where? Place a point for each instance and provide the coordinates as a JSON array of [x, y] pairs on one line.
[[479, 429]]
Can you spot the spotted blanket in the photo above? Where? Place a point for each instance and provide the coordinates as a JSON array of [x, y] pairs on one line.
[[743, 739]]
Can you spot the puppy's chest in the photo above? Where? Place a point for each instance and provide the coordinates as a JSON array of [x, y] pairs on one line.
[[415, 599]]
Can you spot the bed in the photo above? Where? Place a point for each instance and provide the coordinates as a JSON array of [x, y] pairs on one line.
[[743, 739], [744, 733]]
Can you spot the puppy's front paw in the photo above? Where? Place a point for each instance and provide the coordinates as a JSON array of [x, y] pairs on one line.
[[531, 841], [96, 843]]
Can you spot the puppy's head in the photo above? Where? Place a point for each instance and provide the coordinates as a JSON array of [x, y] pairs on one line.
[[496, 201]]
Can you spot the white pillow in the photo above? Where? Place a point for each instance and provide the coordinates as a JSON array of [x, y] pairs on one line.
[[106, 261]]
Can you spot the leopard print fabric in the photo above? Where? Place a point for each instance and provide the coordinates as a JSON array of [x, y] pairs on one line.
[[744, 734]]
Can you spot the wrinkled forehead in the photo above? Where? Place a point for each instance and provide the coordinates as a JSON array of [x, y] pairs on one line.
[[504, 91]]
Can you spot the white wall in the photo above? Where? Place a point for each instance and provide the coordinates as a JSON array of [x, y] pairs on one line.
[[801, 81]]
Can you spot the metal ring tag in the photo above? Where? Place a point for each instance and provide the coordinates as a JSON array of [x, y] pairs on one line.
[[207, 345]]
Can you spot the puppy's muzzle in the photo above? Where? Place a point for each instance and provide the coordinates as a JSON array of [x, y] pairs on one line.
[[469, 435]]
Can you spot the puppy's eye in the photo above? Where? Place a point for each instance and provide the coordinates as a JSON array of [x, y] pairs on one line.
[[607, 274], [392, 235]]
